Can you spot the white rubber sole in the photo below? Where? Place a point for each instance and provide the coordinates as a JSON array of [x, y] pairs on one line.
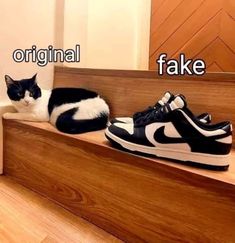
[[199, 158]]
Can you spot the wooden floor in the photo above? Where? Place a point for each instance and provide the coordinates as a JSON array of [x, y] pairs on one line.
[[27, 217]]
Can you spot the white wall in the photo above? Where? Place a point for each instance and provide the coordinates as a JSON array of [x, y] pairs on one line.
[[143, 34], [76, 28], [24, 23], [112, 34]]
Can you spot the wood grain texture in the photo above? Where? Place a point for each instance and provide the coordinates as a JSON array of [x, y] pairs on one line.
[[129, 196], [28, 217], [98, 138], [131, 91], [191, 27]]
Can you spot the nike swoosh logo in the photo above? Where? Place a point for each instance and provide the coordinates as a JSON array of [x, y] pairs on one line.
[[160, 137]]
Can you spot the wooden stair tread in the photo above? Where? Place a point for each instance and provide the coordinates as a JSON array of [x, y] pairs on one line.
[[136, 90], [28, 217], [98, 138]]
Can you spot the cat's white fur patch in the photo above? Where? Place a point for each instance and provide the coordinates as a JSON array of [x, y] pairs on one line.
[[87, 109]]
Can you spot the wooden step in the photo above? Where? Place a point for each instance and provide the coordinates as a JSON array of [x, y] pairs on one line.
[[131, 91], [135, 198], [28, 217]]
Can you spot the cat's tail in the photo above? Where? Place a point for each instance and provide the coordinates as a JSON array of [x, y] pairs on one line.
[[67, 124]]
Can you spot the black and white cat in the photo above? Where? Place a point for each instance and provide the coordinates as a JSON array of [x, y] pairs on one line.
[[71, 110]]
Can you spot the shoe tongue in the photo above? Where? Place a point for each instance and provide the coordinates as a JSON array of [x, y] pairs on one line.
[[179, 102], [166, 98]]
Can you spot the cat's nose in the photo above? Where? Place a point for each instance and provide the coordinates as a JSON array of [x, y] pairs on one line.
[[26, 102]]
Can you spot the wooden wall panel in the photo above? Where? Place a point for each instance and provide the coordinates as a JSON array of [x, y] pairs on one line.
[[200, 29]]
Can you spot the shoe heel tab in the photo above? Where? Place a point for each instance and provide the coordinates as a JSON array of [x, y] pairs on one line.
[[228, 128]]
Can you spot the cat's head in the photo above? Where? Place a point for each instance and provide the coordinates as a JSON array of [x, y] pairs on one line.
[[24, 92]]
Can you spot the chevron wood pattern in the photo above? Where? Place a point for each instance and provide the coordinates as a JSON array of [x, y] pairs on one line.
[[202, 29]]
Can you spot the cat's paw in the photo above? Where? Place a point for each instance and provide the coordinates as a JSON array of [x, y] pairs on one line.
[[9, 115]]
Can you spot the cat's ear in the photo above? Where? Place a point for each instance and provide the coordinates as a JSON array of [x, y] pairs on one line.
[[9, 81], [34, 77]]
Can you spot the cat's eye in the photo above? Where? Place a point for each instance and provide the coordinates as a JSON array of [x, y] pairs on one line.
[[31, 94], [19, 94]]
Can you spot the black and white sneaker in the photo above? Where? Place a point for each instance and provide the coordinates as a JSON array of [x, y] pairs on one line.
[[173, 132], [205, 118], [167, 98]]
